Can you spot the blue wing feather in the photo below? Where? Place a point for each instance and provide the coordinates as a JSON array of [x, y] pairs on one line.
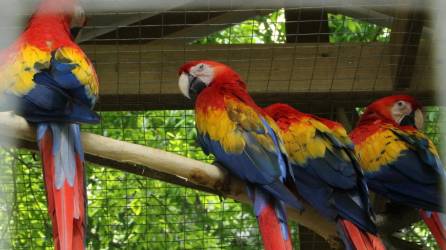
[[48, 102], [248, 166], [335, 194], [414, 178], [334, 184], [408, 180]]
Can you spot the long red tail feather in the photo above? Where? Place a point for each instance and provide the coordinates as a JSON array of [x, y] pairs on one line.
[[436, 226], [65, 205], [270, 229], [359, 239]]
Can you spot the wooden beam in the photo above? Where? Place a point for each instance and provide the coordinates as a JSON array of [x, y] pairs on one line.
[[406, 33], [150, 27], [266, 68], [307, 25], [138, 159], [317, 103], [99, 25]]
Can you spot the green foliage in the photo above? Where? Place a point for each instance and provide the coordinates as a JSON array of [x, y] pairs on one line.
[[126, 211], [347, 29], [261, 29], [271, 29]]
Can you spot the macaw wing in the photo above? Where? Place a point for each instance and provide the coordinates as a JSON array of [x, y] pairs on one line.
[[69, 67], [49, 85], [73, 71], [326, 173], [312, 144], [48, 102], [398, 166], [261, 143], [19, 64], [424, 148], [248, 149]]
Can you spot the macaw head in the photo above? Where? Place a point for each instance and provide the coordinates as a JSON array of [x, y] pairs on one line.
[[70, 11], [402, 110], [195, 76]]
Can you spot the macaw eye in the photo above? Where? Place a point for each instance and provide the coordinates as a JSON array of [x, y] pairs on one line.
[[400, 103], [201, 66]]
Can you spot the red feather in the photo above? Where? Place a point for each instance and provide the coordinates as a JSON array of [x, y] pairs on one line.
[[360, 239], [66, 206], [436, 227], [270, 230]]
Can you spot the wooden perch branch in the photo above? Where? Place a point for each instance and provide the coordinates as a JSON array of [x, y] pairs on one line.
[[162, 165]]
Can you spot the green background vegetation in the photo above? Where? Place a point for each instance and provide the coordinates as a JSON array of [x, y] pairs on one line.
[[126, 211]]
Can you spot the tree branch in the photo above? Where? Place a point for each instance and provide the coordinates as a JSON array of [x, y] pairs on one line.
[[159, 164]]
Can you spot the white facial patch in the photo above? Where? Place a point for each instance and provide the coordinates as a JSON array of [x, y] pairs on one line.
[[399, 110], [183, 84], [78, 18], [204, 72]]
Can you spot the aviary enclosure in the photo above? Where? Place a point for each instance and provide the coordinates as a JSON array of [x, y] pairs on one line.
[[329, 59]]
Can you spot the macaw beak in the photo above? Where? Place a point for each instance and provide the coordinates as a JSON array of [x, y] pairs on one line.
[[75, 32], [415, 119], [190, 85], [78, 21]]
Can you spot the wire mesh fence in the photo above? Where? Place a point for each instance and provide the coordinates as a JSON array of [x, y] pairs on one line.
[[127, 211], [318, 59]]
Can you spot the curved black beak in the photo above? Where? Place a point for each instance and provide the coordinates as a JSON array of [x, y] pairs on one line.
[[408, 120], [75, 32], [195, 86]]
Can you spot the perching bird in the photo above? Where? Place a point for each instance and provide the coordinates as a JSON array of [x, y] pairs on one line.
[[55, 87], [326, 174], [244, 141], [399, 161]]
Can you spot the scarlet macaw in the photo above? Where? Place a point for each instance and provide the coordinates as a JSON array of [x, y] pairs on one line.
[[326, 174], [243, 140], [399, 161], [55, 86]]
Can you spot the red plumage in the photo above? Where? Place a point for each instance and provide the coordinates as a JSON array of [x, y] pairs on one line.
[[66, 206], [270, 230], [436, 226], [361, 240]]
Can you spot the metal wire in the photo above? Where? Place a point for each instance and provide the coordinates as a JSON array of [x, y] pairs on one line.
[[137, 62]]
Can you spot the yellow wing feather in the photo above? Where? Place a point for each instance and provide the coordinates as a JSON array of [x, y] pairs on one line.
[[379, 149], [227, 125], [19, 67], [384, 147], [26, 60], [84, 71], [215, 122], [302, 143]]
